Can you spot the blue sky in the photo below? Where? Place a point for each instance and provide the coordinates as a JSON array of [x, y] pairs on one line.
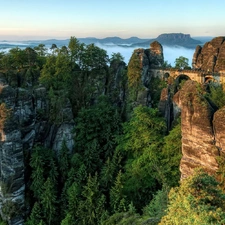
[[43, 19]]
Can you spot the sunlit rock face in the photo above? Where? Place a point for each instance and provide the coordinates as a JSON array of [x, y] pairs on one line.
[[219, 129], [198, 147], [210, 57]]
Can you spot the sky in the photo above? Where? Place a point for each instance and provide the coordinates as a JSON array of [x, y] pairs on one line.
[[61, 19]]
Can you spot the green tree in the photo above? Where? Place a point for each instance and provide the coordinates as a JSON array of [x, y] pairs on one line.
[[37, 176], [117, 199], [171, 156], [181, 62], [198, 200], [48, 201], [36, 215], [141, 143], [134, 76], [92, 208], [96, 130], [64, 162], [166, 65], [116, 57], [41, 51], [216, 95]]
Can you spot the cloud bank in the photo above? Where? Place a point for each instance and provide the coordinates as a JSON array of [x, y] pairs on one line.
[[170, 53]]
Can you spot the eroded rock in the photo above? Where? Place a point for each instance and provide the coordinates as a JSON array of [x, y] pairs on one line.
[[198, 147], [210, 57]]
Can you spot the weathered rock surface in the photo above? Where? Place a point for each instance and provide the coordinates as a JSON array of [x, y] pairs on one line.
[[219, 129], [198, 147], [116, 83], [149, 59], [210, 57], [24, 122]]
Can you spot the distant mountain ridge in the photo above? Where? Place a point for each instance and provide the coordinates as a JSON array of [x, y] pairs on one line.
[[168, 39], [174, 39]]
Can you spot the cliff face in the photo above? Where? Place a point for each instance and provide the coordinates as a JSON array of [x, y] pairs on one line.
[[198, 147], [24, 123], [219, 129], [148, 59], [210, 57]]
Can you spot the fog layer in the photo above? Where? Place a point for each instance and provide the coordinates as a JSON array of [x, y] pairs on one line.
[[170, 53]]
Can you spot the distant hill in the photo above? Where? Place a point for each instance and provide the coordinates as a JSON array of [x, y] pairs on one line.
[[173, 39], [104, 41], [170, 39]]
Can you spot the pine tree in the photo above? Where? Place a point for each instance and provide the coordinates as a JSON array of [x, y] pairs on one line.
[[92, 207], [48, 201], [117, 199], [36, 215], [64, 162], [37, 175]]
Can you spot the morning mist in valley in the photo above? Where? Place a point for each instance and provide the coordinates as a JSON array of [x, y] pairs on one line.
[[170, 53]]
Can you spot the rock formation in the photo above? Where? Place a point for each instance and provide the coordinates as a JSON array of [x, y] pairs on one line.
[[210, 57], [219, 129], [24, 123], [147, 59], [198, 145]]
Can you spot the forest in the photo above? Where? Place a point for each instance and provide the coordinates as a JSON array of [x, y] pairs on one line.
[[124, 167]]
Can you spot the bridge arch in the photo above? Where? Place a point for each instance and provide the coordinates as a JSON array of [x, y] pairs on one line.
[[179, 80], [181, 77], [166, 75], [209, 78]]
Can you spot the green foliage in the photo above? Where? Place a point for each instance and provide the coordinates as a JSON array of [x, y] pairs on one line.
[[171, 156], [134, 76], [48, 201], [10, 209], [92, 208], [198, 200], [37, 176], [166, 65], [96, 130], [64, 162], [155, 88], [116, 57], [141, 142], [43, 166], [36, 215], [216, 94], [181, 62], [117, 199], [158, 205]]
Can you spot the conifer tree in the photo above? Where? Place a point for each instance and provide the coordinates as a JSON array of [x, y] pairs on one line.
[[37, 176], [48, 201], [36, 215], [117, 199]]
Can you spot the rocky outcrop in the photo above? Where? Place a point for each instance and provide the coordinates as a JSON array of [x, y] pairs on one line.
[[219, 129], [210, 57], [198, 149], [116, 86], [24, 122], [148, 59]]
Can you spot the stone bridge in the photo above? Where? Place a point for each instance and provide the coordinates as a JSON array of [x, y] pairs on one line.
[[197, 75]]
